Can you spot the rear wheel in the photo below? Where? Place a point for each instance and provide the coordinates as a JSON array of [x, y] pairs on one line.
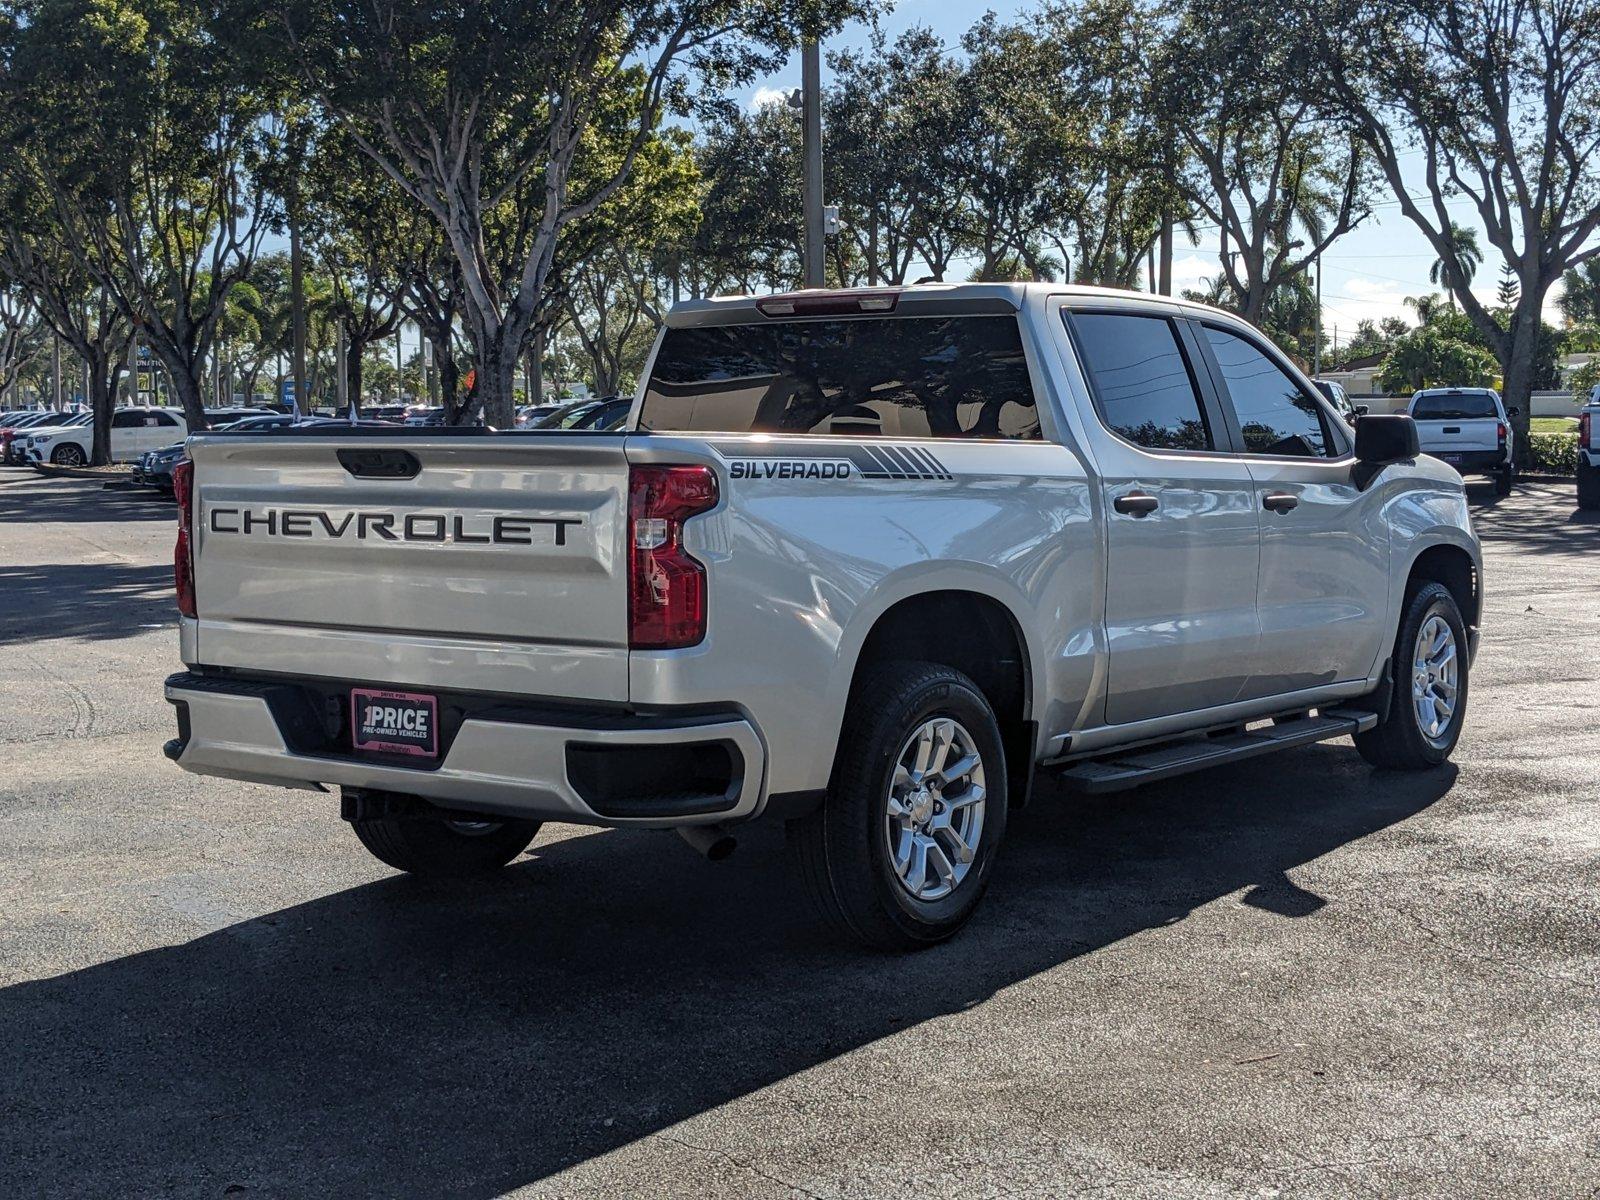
[[1430, 686], [899, 854], [69, 454], [440, 847], [1503, 481], [1588, 484]]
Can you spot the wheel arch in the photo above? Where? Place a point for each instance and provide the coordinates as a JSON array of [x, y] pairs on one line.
[[991, 647]]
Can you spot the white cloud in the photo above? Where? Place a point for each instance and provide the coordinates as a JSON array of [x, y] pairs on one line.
[[1191, 271], [769, 95]]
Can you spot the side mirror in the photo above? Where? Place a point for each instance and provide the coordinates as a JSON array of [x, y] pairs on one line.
[[1513, 411], [1361, 410], [1383, 439]]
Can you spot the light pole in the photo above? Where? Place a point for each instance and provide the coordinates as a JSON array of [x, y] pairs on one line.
[[1316, 346], [811, 104]]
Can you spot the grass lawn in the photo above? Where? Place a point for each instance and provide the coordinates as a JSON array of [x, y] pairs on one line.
[[1553, 424]]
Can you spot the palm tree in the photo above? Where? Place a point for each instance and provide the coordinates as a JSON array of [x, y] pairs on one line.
[[1465, 251]]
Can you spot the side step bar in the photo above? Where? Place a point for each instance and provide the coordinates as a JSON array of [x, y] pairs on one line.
[[1117, 771]]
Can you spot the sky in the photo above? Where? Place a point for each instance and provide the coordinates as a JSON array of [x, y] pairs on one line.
[[1368, 273]]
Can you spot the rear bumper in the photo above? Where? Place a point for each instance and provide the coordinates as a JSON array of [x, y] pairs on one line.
[[548, 764], [1472, 462]]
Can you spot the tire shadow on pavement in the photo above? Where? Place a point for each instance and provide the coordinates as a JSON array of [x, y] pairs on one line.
[[413, 1038]]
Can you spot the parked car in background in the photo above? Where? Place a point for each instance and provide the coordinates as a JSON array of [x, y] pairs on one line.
[[384, 412], [133, 431], [13, 430], [529, 415], [154, 467], [1469, 429], [606, 412], [1340, 399], [1589, 452]]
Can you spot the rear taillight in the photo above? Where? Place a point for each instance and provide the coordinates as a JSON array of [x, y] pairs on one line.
[[183, 552], [1500, 429], [666, 587], [1583, 430]]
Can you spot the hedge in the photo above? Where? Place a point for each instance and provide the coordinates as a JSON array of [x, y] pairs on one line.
[[1551, 454]]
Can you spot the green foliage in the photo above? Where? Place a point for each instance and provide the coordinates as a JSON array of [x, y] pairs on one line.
[[1551, 453], [1430, 357]]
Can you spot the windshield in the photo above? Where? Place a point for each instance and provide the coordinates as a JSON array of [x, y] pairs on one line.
[[1453, 406]]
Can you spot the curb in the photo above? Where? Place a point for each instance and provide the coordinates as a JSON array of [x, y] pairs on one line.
[[79, 472]]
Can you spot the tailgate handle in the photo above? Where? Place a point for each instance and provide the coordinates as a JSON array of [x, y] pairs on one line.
[[380, 464], [1452, 429]]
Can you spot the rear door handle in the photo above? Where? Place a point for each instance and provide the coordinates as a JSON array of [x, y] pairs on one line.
[[1136, 504], [1279, 502]]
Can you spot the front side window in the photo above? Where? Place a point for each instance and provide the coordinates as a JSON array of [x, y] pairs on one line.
[[1275, 416], [1142, 382], [917, 377]]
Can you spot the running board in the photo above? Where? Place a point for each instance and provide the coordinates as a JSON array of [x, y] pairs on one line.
[[1115, 772]]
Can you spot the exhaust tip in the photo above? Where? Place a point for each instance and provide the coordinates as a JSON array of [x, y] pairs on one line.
[[712, 842]]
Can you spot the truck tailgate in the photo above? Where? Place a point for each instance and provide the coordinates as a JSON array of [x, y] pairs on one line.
[[1455, 435], [489, 563]]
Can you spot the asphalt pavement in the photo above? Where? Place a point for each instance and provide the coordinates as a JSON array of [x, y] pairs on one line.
[[1295, 977]]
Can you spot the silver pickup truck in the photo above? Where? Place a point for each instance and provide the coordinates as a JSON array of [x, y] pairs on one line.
[[861, 561], [1470, 429]]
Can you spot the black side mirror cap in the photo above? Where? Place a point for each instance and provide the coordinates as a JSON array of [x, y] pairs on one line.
[[1382, 439], [1513, 410], [1361, 410]]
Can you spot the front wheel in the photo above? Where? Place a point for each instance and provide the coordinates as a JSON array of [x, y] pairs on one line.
[[439, 847], [1430, 686], [899, 854], [69, 454]]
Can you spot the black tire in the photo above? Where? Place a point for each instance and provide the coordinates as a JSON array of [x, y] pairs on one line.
[[842, 850], [1503, 481], [436, 847], [69, 454], [1399, 742], [1588, 485]]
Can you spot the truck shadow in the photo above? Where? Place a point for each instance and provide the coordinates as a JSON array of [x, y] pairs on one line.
[[419, 1039]]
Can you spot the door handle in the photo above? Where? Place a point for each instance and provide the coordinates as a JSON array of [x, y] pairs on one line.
[[1279, 502], [1136, 504]]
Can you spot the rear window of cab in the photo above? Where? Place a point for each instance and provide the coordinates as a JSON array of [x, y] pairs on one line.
[[911, 377]]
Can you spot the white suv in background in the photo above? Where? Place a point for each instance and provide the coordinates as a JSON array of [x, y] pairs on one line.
[[133, 431]]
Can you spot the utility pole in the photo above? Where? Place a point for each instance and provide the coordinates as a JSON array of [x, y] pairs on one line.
[[55, 372], [399, 363], [811, 104]]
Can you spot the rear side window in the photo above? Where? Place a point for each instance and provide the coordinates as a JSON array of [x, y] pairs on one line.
[[1275, 416], [1447, 406], [941, 377], [1142, 382]]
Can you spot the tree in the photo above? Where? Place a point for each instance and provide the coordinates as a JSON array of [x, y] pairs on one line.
[[145, 139], [1499, 97], [1463, 254], [22, 337], [1580, 294], [1428, 357], [488, 115], [1279, 179], [78, 312]]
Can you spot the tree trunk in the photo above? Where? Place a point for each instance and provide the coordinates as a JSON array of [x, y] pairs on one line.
[[191, 396], [102, 402], [1522, 347], [354, 351], [495, 389]]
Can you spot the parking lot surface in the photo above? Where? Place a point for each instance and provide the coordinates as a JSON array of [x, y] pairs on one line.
[[1293, 977]]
